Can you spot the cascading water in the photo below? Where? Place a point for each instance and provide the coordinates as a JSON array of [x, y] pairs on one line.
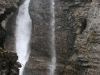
[[52, 65], [22, 35]]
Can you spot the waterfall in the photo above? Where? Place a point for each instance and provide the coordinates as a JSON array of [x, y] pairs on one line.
[[52, 65], [22, 34]]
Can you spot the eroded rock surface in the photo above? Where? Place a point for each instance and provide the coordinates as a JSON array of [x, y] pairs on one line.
[[88, 43], [8, 63], [7, 7], [8, 60]]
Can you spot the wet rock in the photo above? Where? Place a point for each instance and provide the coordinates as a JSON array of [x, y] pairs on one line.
[[8, 63], [6, 7], [8, 60], [2, 36]]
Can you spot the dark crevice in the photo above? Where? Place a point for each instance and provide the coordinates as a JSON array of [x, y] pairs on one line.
[[2, 36], [8, 11], [3, 31], [83, 25], [3, 16]]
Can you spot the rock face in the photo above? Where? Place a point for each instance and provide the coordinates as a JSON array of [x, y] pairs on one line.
[[71, 19], [6, 9], [88, 43], [8, 63], [77, 37], [2, 36], [8, 21], [8, 60], [40, 42], [68, 15], [4, 4]]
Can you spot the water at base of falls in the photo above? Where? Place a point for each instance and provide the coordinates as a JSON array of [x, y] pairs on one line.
[[23, 34]]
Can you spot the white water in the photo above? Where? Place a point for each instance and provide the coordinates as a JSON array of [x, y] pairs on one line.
[[22, 34], [52, 65]]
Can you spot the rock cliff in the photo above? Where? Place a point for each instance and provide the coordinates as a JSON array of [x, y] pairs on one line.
[[7, 7], [8, 63], [77, 37], [71, 20], [8, 60], [88, 42]]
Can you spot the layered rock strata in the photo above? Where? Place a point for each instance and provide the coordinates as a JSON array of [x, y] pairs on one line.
[[88, 43]]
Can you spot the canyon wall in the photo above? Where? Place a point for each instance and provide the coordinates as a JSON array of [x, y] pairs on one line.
[[8, 60], [70, 19], [76, 37], [88, 43]]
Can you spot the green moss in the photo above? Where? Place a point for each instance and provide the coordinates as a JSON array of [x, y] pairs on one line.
[[1, 49], [93, 35]]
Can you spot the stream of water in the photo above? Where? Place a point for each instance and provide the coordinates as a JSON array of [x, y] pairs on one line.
[[23, 34], [52, 65]]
